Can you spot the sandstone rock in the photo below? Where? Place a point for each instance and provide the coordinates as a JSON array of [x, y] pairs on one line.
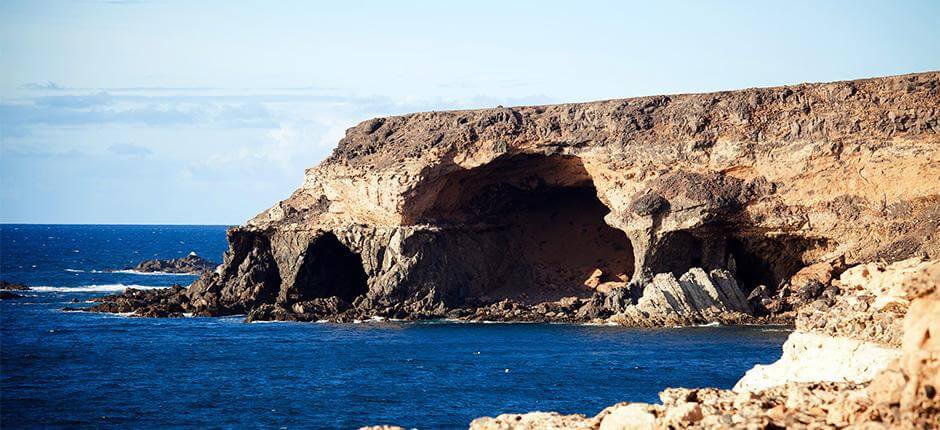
[[684, 415], [810, 357], [532, 421], [633, 416]]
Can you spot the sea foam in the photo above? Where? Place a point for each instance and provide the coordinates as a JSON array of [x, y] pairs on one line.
[[104, 288]]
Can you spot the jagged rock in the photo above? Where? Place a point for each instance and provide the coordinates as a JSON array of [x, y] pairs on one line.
[[694, 298], [440, 213], [759, 298], [159, 303], [191, 263]]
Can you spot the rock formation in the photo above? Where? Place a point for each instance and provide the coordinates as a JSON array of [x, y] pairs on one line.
[[7, 288], [191, 263], [651, 210], [13, 286]]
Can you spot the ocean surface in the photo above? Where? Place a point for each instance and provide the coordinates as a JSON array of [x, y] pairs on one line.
[[74, 369]]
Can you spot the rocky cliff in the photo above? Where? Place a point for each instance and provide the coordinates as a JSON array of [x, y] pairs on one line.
[[731, 206]]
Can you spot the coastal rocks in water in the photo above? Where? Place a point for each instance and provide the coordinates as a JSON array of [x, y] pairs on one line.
[[695, 298], [7, 287], [160, 302], [191, 263], [12, 286], [500, 210]]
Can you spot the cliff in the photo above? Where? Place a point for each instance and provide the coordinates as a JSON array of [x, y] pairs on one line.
[[731, 206]]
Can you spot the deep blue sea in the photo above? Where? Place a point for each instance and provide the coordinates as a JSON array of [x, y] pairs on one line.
[[73, 369]]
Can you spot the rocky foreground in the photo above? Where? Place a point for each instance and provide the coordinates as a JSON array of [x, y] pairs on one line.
[[737, 207]]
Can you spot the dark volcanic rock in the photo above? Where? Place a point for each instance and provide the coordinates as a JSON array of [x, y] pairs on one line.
[[191, 263], [12, 286], [164, 302]]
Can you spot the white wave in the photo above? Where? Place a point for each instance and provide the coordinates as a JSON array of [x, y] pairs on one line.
[[129, 272], [105, 288], [135, 272], [711, 324]]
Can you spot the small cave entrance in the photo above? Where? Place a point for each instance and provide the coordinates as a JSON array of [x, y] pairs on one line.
[[753, 258], [542, 223], [329, 269], [766, 260]]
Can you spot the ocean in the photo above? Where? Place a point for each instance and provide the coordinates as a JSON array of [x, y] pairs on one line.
[[75, 369]]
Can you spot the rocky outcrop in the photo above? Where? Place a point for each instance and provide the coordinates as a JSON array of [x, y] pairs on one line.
[[581, 207], [7, 288], [13, 286], [191, 263], [857, 379], [811, 357]]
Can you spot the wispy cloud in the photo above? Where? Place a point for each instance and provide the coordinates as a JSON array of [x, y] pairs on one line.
[[47, 86], [129, 149]]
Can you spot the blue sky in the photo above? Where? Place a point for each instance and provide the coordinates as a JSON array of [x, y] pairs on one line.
[[208, 112]]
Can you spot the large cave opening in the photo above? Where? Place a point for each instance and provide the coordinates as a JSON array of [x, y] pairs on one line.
[[329, 268], [543, 217]]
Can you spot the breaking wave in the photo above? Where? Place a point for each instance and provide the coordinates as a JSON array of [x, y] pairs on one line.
[[130, 272], [104, 288]]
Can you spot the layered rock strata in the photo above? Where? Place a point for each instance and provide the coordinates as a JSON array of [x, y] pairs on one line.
[[595, 211]]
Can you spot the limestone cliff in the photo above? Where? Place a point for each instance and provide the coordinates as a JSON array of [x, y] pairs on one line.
[[676, 209]]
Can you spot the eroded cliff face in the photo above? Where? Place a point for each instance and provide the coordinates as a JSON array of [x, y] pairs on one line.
[[622, 210]]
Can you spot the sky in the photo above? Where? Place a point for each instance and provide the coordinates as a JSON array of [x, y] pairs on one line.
[[208, 112]]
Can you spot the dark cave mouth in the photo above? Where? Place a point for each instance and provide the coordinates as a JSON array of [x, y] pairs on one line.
[[542, 216], [753, 258], [329, 269]]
